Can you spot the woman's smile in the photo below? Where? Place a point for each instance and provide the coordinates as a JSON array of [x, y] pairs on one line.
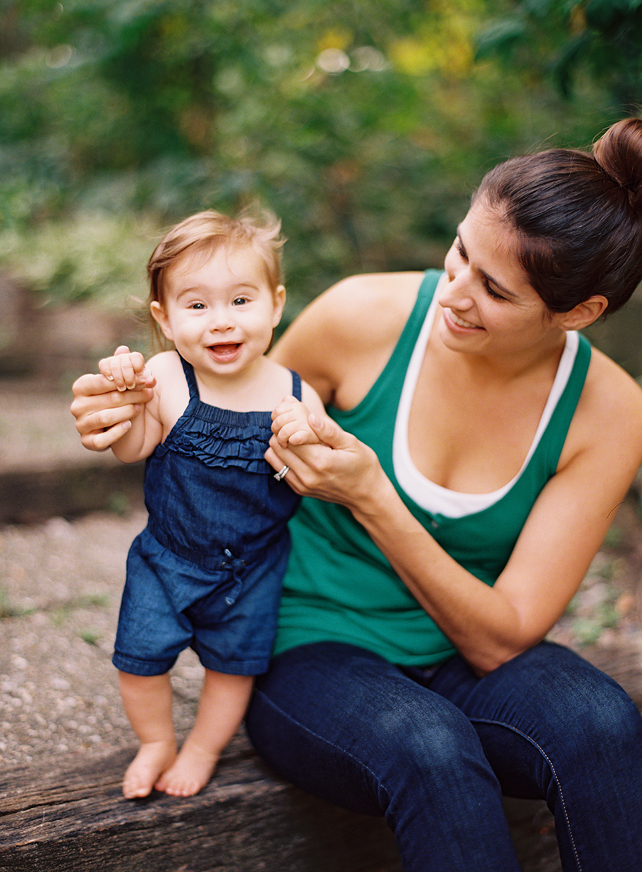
[[460, 322]]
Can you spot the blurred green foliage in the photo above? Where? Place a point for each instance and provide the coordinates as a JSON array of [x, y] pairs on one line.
[[364, 125], [567, 37]]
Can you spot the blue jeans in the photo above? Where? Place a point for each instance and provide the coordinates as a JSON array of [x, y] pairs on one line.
[[433, 752]]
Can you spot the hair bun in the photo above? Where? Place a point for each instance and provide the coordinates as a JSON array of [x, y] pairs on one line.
[[619, 153]]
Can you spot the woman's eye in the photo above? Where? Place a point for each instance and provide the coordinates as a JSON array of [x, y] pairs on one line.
[[460, 250], [492, 293]]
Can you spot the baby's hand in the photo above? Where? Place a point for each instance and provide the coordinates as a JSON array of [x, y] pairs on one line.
[[290, 424], [125, 370]]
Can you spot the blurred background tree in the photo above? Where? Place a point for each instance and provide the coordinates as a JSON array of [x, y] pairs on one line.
[[365, 125], [571, 37]]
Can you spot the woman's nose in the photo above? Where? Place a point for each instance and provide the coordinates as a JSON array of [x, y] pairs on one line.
[[456, 293]]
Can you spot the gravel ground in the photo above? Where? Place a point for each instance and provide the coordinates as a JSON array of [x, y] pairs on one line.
[[61, 590]]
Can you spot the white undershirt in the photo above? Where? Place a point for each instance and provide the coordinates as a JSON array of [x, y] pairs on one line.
[[430, 496]]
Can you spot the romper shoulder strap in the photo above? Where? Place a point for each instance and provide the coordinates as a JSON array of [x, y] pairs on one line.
[[188, 369], [296, 384]]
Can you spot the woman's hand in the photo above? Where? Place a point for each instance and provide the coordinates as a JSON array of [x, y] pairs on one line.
[[103, 414], [338, 469]]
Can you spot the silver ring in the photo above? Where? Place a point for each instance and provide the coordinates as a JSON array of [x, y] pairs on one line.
[[282, 473]]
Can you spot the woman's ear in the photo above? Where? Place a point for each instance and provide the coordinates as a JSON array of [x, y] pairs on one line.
[[585, 313], [160, 316]]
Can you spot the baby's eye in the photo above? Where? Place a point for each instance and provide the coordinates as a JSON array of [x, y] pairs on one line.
[[239, 301], [197, 306]]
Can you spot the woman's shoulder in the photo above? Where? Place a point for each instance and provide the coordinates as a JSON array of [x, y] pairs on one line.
[[398, 290], [611, 386], [370, 307], [609, 413], [350, 328]]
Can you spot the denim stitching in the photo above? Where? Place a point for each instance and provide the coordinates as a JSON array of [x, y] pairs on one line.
[[553, 770]]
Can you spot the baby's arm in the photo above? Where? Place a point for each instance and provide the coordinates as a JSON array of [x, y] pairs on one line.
[[128, 371]]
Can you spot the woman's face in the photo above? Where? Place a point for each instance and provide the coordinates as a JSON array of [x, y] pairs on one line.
[[488, 305]]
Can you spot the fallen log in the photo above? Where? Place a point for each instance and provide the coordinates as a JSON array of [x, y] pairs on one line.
[[33, 496], [72, 817], [246, 820]]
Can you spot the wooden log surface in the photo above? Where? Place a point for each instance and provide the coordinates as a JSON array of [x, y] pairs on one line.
[[244, 820], [76, 819], [33, 496], [72, 818]]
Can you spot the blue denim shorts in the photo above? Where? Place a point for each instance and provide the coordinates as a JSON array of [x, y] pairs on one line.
[[227, 615]]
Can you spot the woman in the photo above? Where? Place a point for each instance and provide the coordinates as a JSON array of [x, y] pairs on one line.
[[477, 454]]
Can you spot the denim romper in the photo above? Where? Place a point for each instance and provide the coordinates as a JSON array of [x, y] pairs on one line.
[[206, 572]]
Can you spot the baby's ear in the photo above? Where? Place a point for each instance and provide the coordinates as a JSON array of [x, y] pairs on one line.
[[160, 316], [279, 303]]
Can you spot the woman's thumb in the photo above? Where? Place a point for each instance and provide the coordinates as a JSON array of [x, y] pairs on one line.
[[328, 432]]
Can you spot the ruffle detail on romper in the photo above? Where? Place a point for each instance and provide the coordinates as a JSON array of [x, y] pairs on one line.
[[222, 438]]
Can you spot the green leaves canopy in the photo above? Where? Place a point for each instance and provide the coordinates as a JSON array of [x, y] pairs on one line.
[[364, 125]]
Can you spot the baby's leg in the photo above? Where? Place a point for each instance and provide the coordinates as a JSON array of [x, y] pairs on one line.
[[148, 705], [221, 709]]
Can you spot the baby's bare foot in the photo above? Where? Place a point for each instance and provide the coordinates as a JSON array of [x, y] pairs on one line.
[[152, 760], [189, 773]]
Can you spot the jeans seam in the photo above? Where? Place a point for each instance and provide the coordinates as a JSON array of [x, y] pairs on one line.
[[553, 770]]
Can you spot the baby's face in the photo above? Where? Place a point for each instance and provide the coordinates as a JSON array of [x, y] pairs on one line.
[[219, 309]]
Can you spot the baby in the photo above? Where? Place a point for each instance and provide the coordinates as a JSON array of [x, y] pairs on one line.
[[206, 572]]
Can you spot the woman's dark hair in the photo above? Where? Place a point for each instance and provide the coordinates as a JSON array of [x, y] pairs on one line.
[[578, 217]]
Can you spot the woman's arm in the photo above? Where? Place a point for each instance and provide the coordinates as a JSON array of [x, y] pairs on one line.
[[490, 625]]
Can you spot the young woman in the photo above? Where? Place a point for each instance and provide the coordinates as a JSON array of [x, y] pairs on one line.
[[476, 451]]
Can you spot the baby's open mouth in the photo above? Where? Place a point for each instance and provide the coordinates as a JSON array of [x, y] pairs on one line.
[[222, 350]]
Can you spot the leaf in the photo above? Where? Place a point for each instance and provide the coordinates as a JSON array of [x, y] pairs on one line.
[[564, 66], [605, 14], [500, 37]]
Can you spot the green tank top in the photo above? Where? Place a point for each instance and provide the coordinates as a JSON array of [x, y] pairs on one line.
[[340, 587]]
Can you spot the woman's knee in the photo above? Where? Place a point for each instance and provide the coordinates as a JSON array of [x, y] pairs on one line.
[[439, 730], [592, 710], [609, 722], [372, 725], [585, 723]]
